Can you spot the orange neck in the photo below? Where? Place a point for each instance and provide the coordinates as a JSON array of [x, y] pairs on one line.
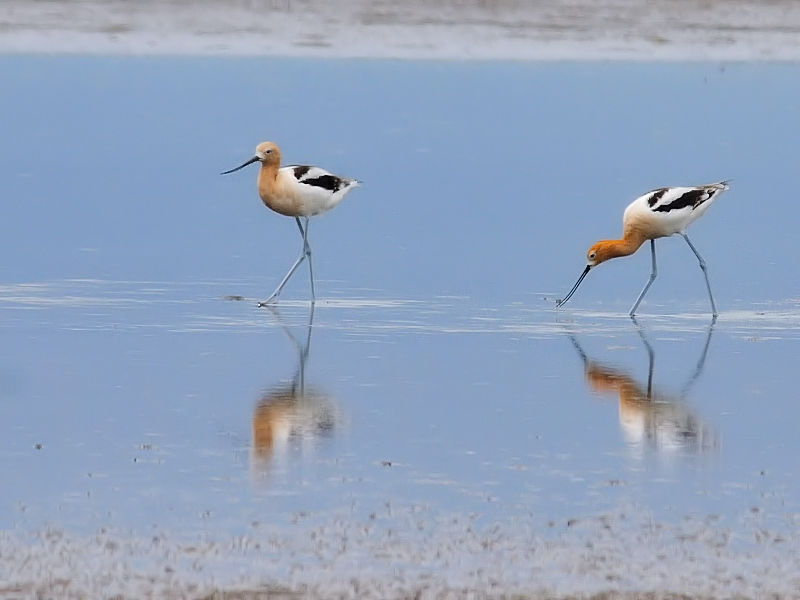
[[626, 246], [268, 171], [266, 178]]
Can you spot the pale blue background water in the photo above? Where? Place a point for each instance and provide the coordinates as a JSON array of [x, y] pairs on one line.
[[483, 186]]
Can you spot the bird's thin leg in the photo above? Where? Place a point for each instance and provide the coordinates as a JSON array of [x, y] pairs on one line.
[[714, 312], [653, 273], [305, 252]]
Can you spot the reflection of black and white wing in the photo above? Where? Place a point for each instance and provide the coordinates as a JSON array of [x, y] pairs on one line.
[[671, 199], [320, 178]]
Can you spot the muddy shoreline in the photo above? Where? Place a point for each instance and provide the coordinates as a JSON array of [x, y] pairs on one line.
[[463, 29]]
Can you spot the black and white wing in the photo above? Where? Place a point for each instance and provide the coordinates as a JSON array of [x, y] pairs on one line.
[[320, 178], [672, 199]]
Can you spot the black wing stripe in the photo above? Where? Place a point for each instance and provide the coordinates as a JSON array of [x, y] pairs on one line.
[[656, 196], [690, 199], [328, 182], [300, 171]]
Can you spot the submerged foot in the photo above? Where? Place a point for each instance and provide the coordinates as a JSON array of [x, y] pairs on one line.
[[271, 301]]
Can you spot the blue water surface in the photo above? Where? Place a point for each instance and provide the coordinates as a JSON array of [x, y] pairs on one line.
[[135, 393]]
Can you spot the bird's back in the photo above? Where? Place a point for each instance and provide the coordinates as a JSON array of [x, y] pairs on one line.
[[312, 190], [666, 211]]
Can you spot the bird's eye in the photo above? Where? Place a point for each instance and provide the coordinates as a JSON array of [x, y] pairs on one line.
[[591, 256], [268, 150]]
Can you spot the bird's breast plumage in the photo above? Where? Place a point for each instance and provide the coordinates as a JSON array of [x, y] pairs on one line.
[[300, 190]]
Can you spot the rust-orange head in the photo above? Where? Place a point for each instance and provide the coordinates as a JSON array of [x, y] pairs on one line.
[[267, 153], [600, 252]]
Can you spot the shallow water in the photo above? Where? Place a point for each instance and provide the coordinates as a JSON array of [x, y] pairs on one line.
[[437, 392]]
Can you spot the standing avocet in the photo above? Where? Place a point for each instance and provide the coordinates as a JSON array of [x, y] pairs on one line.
[[660, 213], [296, 191]]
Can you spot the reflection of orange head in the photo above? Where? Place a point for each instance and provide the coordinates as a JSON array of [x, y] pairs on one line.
[[271, 422], [285, 413], [604, 379]]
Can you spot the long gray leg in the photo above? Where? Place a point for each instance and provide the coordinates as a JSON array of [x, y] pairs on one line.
[[653, 273], [307, 250], [714, 312], [304, 253]]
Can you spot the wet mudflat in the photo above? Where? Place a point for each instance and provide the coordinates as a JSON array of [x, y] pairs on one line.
[[433, 424], [415, 29]]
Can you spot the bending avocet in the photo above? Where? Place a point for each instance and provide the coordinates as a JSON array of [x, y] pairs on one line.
[[659, 213]]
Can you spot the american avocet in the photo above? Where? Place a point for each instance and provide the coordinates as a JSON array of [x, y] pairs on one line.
[[296, 191], [660, 213]]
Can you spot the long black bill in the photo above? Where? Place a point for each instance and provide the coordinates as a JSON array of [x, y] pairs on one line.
[[242, 166], [574, 287]]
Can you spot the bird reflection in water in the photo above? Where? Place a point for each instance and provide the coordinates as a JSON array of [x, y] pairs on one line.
[[648, 417], [291, 416]]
